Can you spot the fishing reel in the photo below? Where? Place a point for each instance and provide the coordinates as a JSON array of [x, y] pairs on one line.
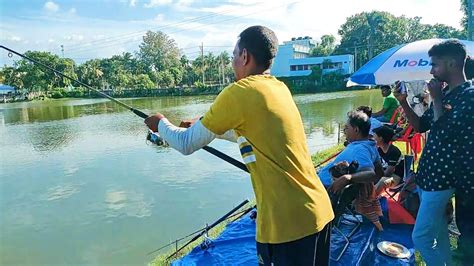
[[207, 242], [155, 138]]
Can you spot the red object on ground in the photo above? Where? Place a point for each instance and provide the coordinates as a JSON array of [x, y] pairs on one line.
[[396, 213]]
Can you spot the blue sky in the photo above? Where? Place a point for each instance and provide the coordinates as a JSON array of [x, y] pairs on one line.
[[101, 28]]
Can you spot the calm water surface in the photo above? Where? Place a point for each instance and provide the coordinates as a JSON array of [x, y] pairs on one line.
[[79, 184]]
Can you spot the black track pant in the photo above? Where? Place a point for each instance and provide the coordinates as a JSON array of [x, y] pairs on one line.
[[310, 250]]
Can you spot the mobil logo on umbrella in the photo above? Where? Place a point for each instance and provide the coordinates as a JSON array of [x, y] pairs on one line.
[[411, 63]]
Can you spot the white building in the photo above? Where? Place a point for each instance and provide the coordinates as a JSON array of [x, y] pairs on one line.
[[293, 59]]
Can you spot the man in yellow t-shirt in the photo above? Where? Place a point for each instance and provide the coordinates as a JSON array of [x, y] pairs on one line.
[[294, 210]]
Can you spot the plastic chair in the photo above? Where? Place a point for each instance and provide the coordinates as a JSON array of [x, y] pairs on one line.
[[408, 165], [340, 203], [394, 117], [414, 141]]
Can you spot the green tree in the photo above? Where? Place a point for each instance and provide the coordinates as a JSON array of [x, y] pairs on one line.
[[325, 47], [91, 73], [189, 76], [159, 54], [11, 76], [465, 11], [316, 75], [140, 81], [36, 78]]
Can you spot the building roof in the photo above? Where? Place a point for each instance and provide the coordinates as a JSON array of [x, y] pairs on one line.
[[6, 88]]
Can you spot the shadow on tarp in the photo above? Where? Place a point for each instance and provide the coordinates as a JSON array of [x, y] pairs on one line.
[[236, 246]]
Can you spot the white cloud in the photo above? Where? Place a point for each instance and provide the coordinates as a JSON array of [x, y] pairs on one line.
[[51, 6], [16, 39], [155, 3], [72, 11], [74, 37], [184, 2], [133, 3], [159, 18], [51, 40]]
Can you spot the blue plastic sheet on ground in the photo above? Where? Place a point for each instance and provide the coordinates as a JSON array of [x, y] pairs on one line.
[[236, 246]]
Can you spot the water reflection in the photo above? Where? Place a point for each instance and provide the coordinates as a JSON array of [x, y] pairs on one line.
[[53, 110], [128, 203]]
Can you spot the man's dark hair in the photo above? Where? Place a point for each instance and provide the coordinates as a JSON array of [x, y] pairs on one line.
[[366, 109], [261, 42], [385, 132], [452, 48], [360, 120], [469, 68], [385, 87]]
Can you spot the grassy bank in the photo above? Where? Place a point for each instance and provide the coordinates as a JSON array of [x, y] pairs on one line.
[[320, 156]]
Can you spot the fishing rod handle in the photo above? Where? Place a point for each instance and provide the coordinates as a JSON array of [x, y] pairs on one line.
[[226, 158], [139, 113]]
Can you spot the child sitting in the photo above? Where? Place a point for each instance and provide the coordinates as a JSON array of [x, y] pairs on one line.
[[365, 199]]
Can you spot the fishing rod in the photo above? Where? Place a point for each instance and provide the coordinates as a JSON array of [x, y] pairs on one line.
[[209, 228], [237, 214], [141, 114], [328, 159]]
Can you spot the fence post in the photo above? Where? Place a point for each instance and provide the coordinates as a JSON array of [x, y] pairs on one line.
[[338, 132]]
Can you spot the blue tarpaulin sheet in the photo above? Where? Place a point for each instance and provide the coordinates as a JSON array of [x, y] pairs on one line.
[[236, 245]]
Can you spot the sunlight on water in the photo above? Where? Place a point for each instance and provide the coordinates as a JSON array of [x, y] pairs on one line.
[[61, 192]]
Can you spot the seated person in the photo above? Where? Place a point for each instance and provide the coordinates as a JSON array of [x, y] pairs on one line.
[[374, 123], [401, 125], [364, 151], [392, 159], [390, 104], [341, 201]]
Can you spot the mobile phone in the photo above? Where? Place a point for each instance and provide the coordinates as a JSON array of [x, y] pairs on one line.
[[403, 87]]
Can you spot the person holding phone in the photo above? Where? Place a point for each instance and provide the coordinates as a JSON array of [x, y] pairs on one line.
[[446, 164]]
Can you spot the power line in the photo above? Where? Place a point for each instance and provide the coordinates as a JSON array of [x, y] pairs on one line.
[[181, 30], [137, 33]]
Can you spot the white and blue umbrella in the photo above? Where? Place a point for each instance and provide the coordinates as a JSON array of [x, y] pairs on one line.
[[407, 62]]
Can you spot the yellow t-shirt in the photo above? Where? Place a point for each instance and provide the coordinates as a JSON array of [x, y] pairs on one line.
[[291, 200]]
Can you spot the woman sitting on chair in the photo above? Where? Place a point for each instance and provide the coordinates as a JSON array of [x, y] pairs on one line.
[[392, 159]]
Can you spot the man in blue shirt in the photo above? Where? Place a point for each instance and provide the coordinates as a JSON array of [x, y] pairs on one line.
[[364, 151]]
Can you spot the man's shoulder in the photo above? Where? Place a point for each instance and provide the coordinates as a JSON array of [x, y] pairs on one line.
[[375, 122], [256, 81]]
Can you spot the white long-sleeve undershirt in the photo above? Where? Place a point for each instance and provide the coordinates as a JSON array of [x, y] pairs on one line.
[[189, 140]]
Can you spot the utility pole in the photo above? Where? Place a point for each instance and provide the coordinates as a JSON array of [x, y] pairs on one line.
[[202, 63], [470, 30], [355, 58], [223, 70]]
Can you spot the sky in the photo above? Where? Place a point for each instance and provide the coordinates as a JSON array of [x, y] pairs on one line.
[[88, 29]]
